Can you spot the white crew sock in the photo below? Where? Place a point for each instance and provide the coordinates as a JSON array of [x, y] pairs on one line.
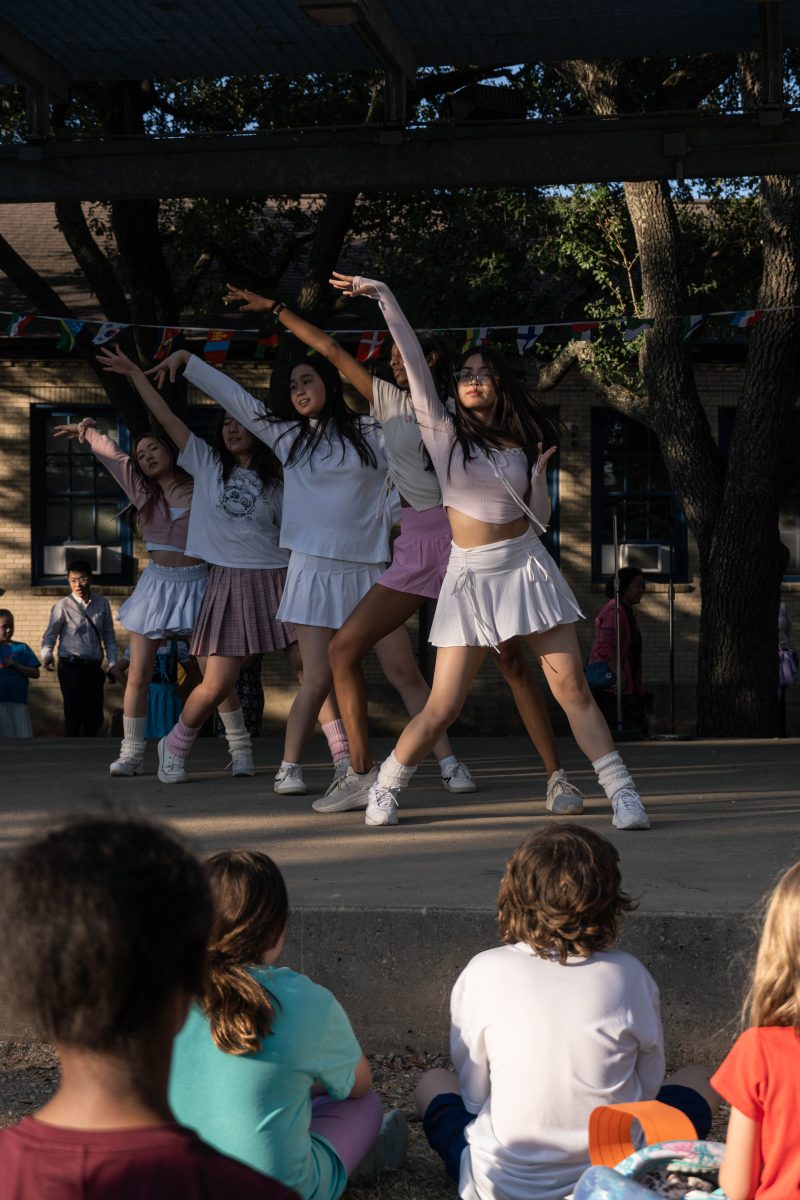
[[446, 765], [612, 774], [133, 744], [394, 775], [235, 731]]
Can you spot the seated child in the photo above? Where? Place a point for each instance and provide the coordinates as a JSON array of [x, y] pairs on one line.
[[547, 1027], [18, 664], [105, 923], [267, 1067], [760, 1078]]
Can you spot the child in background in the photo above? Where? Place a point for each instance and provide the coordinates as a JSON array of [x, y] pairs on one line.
[[547, 1027], [760, 1078], [268, 1068], [18, 664], [105, 927]]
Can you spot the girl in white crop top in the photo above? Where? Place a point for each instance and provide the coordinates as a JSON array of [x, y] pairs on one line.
[[501, 582], [167, 597]]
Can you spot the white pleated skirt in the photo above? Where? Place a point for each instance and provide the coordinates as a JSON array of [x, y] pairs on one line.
[[499, 591], [324, 591], [165, 601], [15, 720]]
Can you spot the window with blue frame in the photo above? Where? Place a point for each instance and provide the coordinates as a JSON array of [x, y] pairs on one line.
[[629, 478], [75, 502], [789, 519]]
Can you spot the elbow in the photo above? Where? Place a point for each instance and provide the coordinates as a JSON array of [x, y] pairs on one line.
[[732, 1185], [363, 1079]]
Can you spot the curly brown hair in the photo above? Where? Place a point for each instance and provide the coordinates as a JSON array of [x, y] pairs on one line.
[[561, 893]]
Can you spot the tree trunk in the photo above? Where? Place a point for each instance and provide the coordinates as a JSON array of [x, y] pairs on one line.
[[332, 228]]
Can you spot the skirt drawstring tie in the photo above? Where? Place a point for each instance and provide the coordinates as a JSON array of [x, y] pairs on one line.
[[466, 584]]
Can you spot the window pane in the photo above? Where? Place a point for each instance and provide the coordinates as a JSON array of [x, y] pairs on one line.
[[637, 477], [635, 527], [659, 479], [660, 519], [57, 473], [83, 522], [107, 524], [56, 523], [105, 483], [82, 474]]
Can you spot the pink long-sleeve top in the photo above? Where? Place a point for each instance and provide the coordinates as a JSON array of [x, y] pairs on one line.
[[160, 526], [494, 486]]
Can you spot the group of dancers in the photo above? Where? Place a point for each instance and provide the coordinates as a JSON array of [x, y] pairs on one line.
[[276, 538]]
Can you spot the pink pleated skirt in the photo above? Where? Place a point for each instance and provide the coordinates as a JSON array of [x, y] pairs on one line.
[[238, 613], [420, 553]]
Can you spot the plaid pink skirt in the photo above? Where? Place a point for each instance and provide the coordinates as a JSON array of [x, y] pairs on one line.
[[237, 616]]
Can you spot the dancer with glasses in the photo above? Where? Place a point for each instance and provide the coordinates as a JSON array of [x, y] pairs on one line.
[[500, 582], [419, 560]]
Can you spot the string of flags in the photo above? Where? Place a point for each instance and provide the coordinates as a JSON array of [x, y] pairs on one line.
[[370, 342]]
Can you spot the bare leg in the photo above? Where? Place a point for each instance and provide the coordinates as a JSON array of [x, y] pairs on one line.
[[399, 666], [315, 687], [231, 702], [456, 667], [436, 1082], [142, 652], [219, 680], [330, 709], [529, 699], [560, 656], [380, 612]]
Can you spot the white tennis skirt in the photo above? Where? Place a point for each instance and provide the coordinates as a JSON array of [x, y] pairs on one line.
[[165, 601], [324, 591], [499, 591]]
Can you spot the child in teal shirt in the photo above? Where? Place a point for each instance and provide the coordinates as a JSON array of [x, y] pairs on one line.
[[18, 664]]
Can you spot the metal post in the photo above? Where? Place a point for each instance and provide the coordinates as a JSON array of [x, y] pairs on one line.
[[672, 631]]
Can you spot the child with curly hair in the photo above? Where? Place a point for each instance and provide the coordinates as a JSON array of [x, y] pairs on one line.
[[547, 1027]]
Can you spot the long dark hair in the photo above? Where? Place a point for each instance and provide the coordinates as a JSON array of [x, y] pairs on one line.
[[442, 368], [262, 460], [335, 420], [519, 419], [135, 516]]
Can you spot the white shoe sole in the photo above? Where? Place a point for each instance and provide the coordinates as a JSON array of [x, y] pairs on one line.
[[295, 788], [162, 776], [249, 771], [636, 823], [381, 818], [573, 809], [125, 772], [459, 788]]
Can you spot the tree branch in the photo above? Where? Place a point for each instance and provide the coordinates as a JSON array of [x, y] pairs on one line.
[[92, 261]]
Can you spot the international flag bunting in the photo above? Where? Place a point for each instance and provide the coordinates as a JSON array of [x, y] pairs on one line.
[[370, 344], [265, 344], [165, 342], [527, 336], [635, 326], [745, 320], [107, 332], [476, 337], [18, 324], [690, 324], [584, 329], [69, 332], [217, 346]]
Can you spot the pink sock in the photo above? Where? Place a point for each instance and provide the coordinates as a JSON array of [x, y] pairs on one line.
[[180, 739], [337, 740]]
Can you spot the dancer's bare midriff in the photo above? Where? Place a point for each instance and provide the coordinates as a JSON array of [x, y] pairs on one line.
[[469, 532]]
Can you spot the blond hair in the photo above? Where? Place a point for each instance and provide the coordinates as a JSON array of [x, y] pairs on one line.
[[773, 997]]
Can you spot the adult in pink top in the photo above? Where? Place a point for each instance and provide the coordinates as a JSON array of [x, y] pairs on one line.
[[501, 582]]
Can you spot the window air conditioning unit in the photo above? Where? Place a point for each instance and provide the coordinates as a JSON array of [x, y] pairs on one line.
[[104, 560], [648, 557]]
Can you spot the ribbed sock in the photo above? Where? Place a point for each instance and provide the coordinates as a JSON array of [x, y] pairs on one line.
[[393, 774], [446, 764], [133, 745], [235, 731], [337, 740], [285, 765], [181, 738], [612, 774]]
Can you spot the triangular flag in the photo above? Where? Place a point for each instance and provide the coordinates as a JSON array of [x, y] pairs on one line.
[[636, 325], [69, 332], [527, 335], [165, 342], [18, 324], [690, 324], [584, 329], [266, 343], [476, 336], [745, 320], [107, 332], [218, 343], [370, 344]]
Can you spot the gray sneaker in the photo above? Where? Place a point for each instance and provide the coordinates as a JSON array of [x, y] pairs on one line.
[[289, 781], [347, 792], [563, 798], [629, 812], [382, 806]]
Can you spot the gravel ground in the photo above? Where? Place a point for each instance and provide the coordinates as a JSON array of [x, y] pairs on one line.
[[29, 1075]]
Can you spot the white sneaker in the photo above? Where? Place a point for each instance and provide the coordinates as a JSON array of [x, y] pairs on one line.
[[563, 798], [629, 812], [289, 781], [242, 762], [382, 806], [171, 768], [458, 779], [126, 766], [350, 791]]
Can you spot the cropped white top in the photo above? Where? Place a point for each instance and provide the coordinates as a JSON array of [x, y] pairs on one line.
[[493, 486]]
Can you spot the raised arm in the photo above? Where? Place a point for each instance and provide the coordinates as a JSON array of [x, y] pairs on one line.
[[309, 334], [428, 408], [116, 461], [117, 363]]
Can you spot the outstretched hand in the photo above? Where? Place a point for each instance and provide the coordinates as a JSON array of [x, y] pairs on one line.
[[76, 430], [249, 301], [544, 458], [344, 284], [168, 368], [113, 360]]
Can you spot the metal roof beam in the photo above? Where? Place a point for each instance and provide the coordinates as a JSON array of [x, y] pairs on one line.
[[363, 158], [770, 16], [27, 62]]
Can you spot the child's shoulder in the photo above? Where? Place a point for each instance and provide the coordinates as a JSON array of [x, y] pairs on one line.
[[292, 986]]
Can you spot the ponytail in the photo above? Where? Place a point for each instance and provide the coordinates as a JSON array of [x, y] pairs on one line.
[[240, 1010]]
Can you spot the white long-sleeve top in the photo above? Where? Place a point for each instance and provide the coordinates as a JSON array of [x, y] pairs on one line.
[[332, 500], [494, 486]]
